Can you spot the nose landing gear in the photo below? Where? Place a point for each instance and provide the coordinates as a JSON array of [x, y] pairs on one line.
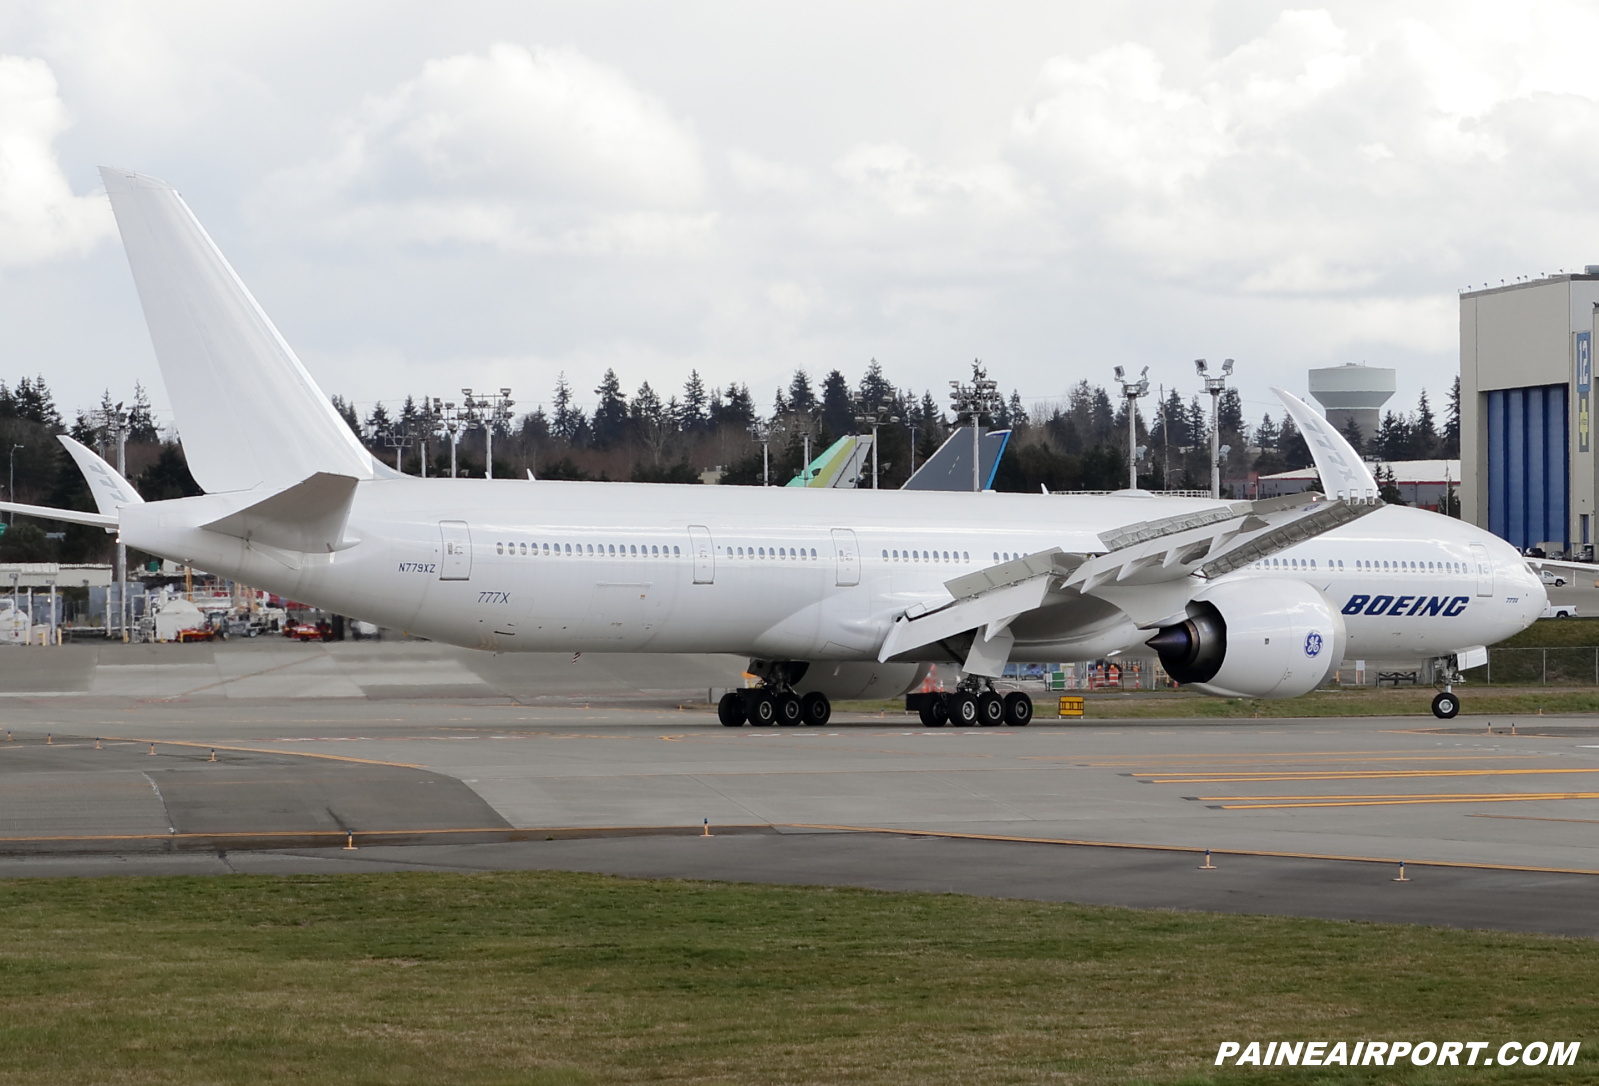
[[1447, 704]]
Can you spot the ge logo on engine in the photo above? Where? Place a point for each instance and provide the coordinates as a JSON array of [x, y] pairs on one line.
[[1313, 644]]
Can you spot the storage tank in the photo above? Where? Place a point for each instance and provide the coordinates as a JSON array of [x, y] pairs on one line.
[[1353, 391]]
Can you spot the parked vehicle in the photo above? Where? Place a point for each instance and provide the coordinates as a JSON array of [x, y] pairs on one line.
[[1559, 610]]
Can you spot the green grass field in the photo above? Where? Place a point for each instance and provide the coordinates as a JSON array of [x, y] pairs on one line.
[[556, 978]]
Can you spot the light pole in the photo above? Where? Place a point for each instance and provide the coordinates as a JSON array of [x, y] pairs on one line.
[[116, 421], [762, 432], [1214, 386], [1132, 390], [880, 417], [11, 487], [974, 399]]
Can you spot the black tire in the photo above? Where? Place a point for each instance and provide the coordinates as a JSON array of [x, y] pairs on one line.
[[962, 710], [761, 708], [730, 710], [934, 713], [790, 710], [1018, 709], [818, 710], [1445, 706], [990, 710]]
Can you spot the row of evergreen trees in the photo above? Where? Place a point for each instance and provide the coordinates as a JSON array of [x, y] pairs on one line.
[[1077, 443]]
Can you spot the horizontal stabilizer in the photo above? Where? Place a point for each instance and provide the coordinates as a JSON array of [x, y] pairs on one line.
[[111, 491], [70, 516], [308, 517]]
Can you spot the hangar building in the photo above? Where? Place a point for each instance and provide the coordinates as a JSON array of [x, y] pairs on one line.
[[1526, 380]]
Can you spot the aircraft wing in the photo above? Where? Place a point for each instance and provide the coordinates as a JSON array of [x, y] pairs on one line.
[[1583, 569], [1149, 569], [1170, 558]]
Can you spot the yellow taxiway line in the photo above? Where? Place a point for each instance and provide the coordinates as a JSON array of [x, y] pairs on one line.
[[1352, 775], [1503, 797]]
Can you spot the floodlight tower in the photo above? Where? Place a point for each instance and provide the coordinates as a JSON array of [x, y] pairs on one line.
[[1214, 386], [761, 431], [974, 399], [880, 417], [1132, 390], [495, 408]]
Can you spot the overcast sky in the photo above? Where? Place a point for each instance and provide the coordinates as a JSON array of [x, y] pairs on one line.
[[430, 196]]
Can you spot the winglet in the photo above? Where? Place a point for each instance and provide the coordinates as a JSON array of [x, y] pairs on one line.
[[1343, 473], [111, 491]]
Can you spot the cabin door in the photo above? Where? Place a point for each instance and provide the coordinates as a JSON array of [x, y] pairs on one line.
[[849, 556], [1485, 569], [699, 543], [456, 561]]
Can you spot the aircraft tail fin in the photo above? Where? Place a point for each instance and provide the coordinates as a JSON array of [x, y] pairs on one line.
[[111, 491], [249, 414]]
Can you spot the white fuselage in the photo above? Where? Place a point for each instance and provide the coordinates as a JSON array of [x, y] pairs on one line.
[[802, 574]]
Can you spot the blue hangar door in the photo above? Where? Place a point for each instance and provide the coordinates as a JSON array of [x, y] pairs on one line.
[[1528, 465]]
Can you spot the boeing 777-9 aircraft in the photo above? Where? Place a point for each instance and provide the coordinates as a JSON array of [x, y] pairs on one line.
[[831, 593]]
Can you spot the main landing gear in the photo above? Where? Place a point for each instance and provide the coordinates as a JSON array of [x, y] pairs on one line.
[[1447, 704], [767, 705], [974, 703]]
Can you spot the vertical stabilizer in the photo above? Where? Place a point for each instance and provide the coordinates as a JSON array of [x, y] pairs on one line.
[[249, 414]]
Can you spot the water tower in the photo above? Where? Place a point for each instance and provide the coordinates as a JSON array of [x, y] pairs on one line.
[[1353, 392]]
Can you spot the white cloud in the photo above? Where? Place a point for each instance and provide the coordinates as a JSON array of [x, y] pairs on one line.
[[541, 149], [40, 218], [1312, 158]]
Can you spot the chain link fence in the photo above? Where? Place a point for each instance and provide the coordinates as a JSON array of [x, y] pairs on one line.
[[1539, 667]]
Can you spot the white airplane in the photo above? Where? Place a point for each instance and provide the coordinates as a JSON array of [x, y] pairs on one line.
[[833, 593]]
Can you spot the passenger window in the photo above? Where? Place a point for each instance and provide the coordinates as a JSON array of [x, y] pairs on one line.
[[674, 552]]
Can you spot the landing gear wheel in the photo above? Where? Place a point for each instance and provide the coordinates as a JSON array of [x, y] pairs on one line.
[[1018, 709], [962, 710], [1445, 705], [990, 709], [730, 710], [761, 708], [817, 709], [934, 712], [789, 710]]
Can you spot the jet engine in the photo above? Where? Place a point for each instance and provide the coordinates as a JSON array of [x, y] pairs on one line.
[[1254, 638]]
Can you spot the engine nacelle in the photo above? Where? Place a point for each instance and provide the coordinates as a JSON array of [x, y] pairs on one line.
[[842, 680], [1255, 638]]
